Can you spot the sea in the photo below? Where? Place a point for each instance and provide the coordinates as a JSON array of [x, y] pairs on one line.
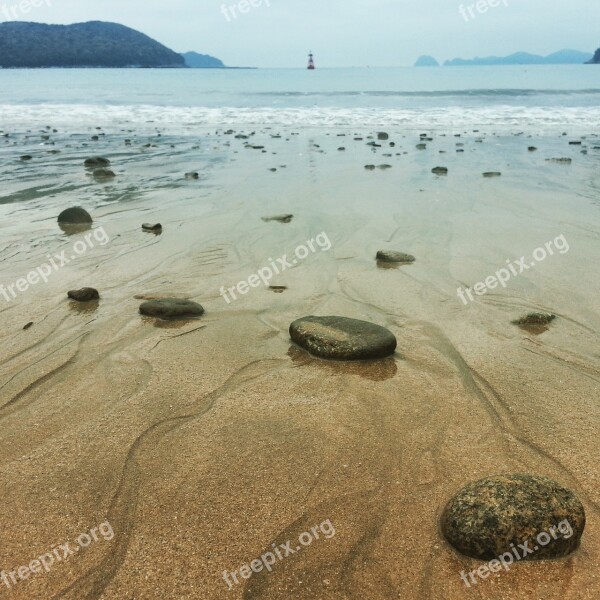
[[538, 99]]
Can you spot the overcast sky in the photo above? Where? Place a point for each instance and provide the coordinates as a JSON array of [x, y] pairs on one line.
[[279, 33]]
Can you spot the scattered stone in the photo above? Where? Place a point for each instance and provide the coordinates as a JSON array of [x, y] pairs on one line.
[[192, 175], [169, 308], [103, 174], [28, 325], [278, 289], [341, 149], [341, 338], [440, 171], [154, 228], [273, 169], [421, 146], [84, 294], [390, 256], [384, 167], [26, 157], [492, 174], [566, 161], [532, 149], [370, 167], [279, 218], [382, 135], [487, 517], [96, 162], [574, 143], [535, 318], [74, 216]]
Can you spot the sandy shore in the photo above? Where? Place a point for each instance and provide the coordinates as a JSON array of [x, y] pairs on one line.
[[205, 442]]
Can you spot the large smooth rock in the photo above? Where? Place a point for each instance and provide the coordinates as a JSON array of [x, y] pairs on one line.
[[168, 308], [341, 338], [74, 216], [487, 516]]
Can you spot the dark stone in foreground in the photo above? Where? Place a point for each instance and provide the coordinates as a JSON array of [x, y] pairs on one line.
[[536, 319], [95, 162], [341, 338], [487, 516], [74, 216], [440, 171], [84, 294], [394, 257], [382, 135], [168, 308]]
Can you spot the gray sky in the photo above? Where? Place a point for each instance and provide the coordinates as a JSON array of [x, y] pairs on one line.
[[278, 33]]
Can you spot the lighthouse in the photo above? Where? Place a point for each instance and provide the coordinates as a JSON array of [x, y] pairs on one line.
[[311, 62]]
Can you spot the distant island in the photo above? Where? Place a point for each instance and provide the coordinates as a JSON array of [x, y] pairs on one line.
[[202, 61], [595, 60], [427, 61], [194, 60], [92, 44], [95, 44], [562, 57]]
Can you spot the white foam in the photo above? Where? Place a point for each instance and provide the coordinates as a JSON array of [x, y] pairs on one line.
[[500, 118]]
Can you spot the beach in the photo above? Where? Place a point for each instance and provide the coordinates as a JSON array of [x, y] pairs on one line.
[[206, 443]]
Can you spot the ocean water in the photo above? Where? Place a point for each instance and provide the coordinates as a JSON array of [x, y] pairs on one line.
[[536, 99]]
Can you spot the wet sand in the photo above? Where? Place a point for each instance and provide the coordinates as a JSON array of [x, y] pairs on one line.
[[204, 442]]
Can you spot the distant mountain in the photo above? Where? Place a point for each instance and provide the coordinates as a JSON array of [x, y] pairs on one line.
[[427, 61], [595, 60], [562, 57], [202, 61], [92, 44]]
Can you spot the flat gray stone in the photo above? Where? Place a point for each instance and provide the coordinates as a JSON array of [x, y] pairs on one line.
[[169, 308], [341, 338], [278, 218], [389, 256], [487, 516]]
